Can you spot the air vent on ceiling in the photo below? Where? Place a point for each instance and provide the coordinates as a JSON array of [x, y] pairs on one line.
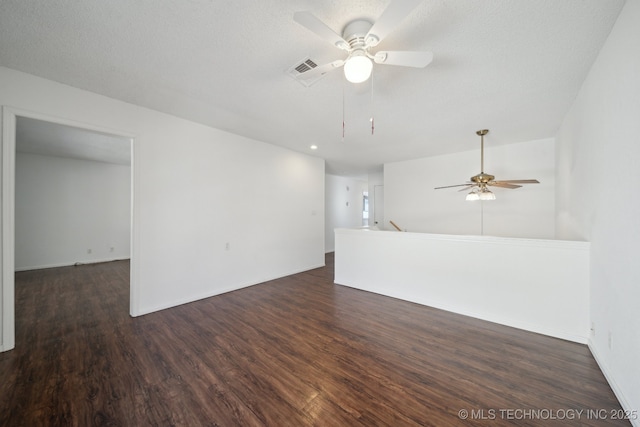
[[306, 66], [301, 67]]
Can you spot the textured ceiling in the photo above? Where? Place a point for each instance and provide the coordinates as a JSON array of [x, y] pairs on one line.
[[511, 66]]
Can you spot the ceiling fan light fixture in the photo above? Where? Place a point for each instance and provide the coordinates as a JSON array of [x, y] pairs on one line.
[[358, 68], [473, 196], [486, 195]]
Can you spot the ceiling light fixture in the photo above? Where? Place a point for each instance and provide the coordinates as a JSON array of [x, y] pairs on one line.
[[473, 196], [483, 193], [358, 67], [486, 194], [314, 147]]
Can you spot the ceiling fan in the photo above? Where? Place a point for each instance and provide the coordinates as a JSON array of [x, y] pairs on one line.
[[359, 37], [479, 183]]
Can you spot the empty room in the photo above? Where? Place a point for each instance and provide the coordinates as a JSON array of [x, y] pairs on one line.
[[358, 213]]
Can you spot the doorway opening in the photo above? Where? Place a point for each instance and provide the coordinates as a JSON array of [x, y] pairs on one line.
[[365, 208], [67, 200]]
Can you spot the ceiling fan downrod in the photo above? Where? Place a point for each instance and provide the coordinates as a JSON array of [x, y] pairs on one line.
[[482, 178], [482, 133]]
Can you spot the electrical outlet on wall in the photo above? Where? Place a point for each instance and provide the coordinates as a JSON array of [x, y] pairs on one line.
[[89, 251]]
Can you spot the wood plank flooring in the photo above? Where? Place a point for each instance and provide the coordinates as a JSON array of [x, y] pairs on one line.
[[297, 351]]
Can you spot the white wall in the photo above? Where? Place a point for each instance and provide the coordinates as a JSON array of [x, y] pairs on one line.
[[413, 204], [195, 190], [598, 150], [343, 205], [490, 278], [376, 207], [65, 207]]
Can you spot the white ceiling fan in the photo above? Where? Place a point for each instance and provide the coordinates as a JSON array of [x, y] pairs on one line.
[[359, 37]]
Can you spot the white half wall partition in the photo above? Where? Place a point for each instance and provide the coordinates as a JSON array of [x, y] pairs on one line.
[[536, 285]]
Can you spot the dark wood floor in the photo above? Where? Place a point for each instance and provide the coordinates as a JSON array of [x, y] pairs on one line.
[[298, 351]]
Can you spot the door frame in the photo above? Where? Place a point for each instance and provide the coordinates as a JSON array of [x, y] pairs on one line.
[[7, 229]]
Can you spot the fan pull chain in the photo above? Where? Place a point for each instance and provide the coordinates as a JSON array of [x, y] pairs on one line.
[[343, 84], [482, 217], [372, 119]]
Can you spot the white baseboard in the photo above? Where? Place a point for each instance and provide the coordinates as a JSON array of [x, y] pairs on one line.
[[220, 291], [501, 320], [4, 347], [614, 385], [67, 264]]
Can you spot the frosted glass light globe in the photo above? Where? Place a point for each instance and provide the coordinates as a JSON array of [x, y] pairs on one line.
[[358, 69]]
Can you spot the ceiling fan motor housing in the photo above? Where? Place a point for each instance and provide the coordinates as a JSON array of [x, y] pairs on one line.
[[482, 178], [355, 32]]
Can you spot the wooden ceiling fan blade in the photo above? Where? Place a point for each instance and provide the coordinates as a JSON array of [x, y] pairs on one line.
[[320, 69], [313, 24], [503, 184], [521, 181], [468, 187], [457, 185]]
